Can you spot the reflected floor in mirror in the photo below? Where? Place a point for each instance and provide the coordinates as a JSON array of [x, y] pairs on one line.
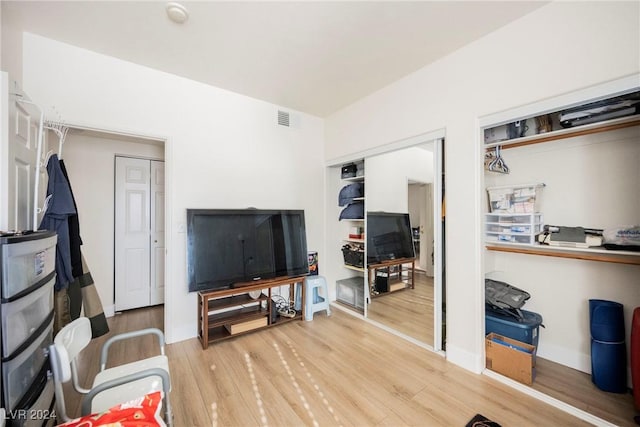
[[408, 311]]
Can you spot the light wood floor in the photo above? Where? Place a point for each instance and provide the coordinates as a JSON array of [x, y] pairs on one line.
[[409, 311], [333, 371], [577, 389]]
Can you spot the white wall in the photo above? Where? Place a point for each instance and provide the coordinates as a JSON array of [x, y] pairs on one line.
[[223, 150], [10, 48], [387, 176], [90, 165], [558, 48]]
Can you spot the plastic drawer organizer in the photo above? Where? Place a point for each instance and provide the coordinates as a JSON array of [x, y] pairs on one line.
[[513, 228]]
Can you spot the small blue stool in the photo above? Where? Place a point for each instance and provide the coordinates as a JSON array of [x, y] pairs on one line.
[[313, 300]]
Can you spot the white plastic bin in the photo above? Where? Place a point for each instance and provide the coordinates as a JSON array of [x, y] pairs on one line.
[[513, 228], [24, 316], [515, 198], [26, 262]]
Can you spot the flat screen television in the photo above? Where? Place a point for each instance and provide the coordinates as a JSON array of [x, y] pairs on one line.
[[388, 237], [231, 247]]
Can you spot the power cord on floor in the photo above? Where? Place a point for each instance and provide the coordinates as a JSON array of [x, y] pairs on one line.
[[283, 306]]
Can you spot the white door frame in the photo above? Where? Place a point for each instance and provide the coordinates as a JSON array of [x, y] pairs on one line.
[[169, 308]]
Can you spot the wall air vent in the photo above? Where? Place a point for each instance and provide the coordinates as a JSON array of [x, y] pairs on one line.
[[283, 118]]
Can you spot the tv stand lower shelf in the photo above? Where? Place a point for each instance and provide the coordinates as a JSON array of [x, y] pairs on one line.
[[391, 275], [227, 313]]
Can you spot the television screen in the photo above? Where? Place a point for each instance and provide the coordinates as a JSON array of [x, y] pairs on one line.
[[226, 248], [388, 237]]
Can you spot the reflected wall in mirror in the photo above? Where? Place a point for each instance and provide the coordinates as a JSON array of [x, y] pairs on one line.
[[401, 182]]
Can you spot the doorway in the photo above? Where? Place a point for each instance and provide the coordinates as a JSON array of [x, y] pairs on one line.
[[139, 232], [420, 198]]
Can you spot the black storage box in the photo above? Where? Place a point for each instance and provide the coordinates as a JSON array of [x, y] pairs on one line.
[[349, 171], [352, 257], [382, 281]]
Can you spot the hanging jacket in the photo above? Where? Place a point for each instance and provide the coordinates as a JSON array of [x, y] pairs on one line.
[[56, 218]]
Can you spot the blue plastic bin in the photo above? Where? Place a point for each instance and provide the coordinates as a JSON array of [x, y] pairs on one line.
[[609, 366], [526, 331], [607, 321]]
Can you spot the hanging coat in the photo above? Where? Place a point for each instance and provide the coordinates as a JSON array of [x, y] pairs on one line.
[[56, 218], [75, 241]]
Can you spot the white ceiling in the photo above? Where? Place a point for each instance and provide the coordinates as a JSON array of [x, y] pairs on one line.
[[316, 57]]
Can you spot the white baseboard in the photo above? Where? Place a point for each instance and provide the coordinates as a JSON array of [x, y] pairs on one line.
[[565, 356], [183, 333], [109, 310], [469, 361]]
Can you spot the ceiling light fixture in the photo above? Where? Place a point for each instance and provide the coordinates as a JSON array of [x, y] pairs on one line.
[[177, 12]]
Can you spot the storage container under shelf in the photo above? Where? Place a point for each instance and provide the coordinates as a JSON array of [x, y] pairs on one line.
[[513, 228], [525, 330], [351, 292]]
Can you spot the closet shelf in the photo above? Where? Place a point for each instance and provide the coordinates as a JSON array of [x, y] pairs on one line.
[[591, 128], [589, 254], [350, 240]]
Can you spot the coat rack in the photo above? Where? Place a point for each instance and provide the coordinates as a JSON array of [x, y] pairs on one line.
[[60, 130]]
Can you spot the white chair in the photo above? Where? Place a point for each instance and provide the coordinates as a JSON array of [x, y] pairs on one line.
[[111, 386]]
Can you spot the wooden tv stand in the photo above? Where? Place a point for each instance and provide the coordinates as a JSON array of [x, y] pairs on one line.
[[399, 273], [227, 313]]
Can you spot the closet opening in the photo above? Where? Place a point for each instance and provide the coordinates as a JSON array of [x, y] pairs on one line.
[[108, 234], [414, 311]]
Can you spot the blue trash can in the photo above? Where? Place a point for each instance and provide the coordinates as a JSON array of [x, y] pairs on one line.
[[607, 320], [608, 348], [609, 366]]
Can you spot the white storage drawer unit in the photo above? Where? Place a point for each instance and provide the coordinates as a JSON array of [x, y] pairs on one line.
[[26, 263], [27, 280], [24, 316], [19, 374], [513, 228]]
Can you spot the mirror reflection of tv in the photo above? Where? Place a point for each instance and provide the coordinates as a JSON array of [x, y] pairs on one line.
[[388, 237], [233, 247]]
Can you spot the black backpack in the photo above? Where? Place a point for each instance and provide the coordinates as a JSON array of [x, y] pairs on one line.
[[503, 298]]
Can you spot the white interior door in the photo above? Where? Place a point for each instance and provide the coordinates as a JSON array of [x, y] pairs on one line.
[[157, 232], [19, 157], [132, 233]]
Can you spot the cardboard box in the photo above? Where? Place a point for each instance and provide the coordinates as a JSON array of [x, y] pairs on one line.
[[396, 286], [236, 328], [512, 358]]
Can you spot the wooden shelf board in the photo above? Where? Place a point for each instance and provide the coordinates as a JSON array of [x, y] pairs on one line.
[[350, 240], [219, 332], [591, 128], [225, 302], [239, 288], [392, 262], [589, 254], [354, 178], [351, 267], [236, 316]]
